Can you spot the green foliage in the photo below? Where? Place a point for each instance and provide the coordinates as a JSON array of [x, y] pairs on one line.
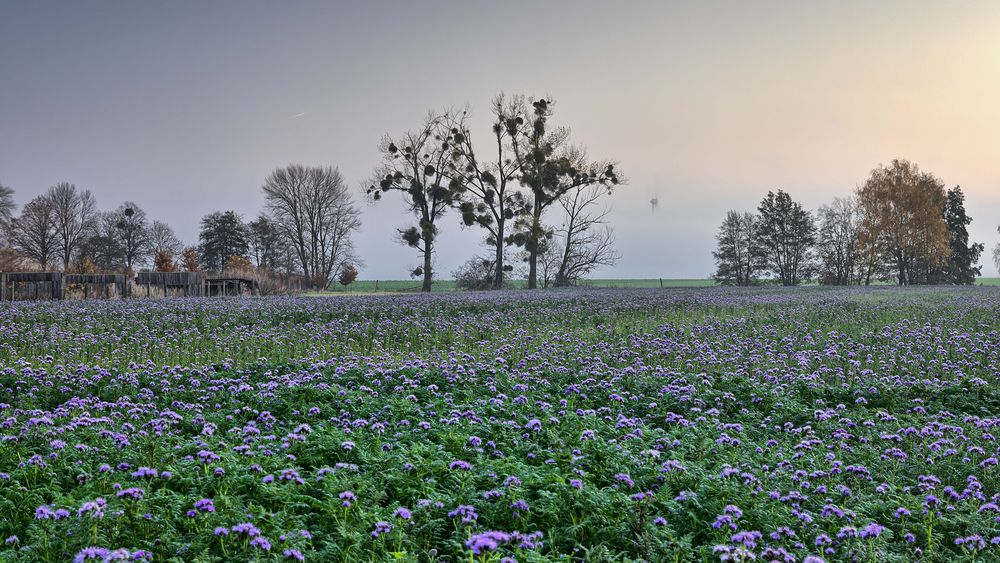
[[627, 422], [960, 268], [223, 234]]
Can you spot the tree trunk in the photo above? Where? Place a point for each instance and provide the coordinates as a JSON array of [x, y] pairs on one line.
[[426, 287], [535, 239], [498, 271]]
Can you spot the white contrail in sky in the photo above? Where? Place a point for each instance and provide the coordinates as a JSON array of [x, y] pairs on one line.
[[299, 114]]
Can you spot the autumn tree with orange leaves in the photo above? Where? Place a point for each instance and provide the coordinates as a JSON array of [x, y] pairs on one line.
[[902, 220]]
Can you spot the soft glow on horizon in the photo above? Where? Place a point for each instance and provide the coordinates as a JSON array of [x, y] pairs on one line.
[[185, 107]]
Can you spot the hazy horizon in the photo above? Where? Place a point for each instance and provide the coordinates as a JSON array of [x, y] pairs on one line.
[[185, 107]]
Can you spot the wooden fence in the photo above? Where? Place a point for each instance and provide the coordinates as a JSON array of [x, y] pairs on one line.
[[54, 286]]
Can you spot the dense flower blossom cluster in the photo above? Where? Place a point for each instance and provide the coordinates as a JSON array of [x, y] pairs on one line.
[[803, 425]]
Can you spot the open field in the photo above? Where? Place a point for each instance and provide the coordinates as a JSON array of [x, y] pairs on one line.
[[599, 425], [412, 286]]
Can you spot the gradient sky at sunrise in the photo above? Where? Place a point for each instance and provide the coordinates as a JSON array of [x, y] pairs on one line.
[[185, 107]]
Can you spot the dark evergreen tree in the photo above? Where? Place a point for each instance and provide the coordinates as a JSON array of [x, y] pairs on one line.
[[223, 234], [786, 235], [737, 256], [961, 268]]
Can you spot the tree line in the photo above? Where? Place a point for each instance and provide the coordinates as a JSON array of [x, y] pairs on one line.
[[304, 232], [900, 225], [525, 174]]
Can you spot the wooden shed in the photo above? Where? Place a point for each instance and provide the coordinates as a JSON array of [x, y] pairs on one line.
[[228, 286], [96, 285], [162, 284]]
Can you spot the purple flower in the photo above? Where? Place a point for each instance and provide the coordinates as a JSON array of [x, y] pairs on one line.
[[133, 493], [468, 513], [872, 530], [381, 528], [403, 513], [145, 472], [247, 529], [94, 508], [625, 478], [207, 456], [261, 542], [486, 541], [91, 553]]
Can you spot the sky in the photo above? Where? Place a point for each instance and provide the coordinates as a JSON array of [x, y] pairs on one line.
[[185, 107]]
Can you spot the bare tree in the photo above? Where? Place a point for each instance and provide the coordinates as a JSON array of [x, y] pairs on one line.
[[265, 242], [996, 252], [737, 255], [837, 241], [6, 205], [550, 167], [33, 233], [476, 274], [484, 184], [74, 211], [585, 240], [415, 164], [130, 230], [313, 209], [163, 239], [547, 264]]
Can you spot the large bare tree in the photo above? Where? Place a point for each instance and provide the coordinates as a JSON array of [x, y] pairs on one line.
[[837, 241], [903, 214], [416, 164], [129, 228], [314, 211], [585, 240], [75, 212], [550, 167], [162, 239], [33, 233], [485, 183]]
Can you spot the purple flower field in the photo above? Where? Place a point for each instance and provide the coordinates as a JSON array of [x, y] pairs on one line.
[[665, 425]]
